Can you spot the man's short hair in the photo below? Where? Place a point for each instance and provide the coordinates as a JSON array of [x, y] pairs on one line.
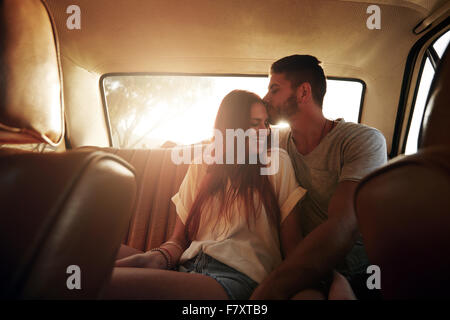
[[303, 68]]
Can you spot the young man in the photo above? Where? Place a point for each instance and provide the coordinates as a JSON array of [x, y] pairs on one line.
[[329, 158]]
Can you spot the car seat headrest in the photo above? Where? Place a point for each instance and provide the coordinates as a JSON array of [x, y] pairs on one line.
[[31, 98]]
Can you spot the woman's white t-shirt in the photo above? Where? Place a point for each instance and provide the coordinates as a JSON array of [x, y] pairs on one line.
[[254, 251]]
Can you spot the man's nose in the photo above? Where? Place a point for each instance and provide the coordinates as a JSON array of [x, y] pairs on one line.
[[266, 97]]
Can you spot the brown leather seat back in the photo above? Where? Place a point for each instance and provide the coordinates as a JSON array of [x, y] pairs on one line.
[[403, 209], [57, 210], [158, 179], [60, 210], [403, 212]]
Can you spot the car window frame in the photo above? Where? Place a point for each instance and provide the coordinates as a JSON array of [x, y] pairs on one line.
[[408, 85], [431, 54], [414, 100]]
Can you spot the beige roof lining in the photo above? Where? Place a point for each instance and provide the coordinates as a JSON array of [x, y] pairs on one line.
[[72, 43], [418, 5]]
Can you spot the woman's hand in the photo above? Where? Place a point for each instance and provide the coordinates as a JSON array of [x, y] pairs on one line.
[[153, 260]]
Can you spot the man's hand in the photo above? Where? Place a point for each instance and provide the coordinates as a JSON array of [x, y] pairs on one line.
[[268, 290], [153, 260]]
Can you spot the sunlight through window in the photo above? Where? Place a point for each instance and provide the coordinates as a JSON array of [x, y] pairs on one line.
[[147, 111], [419, 108], [441, 44]]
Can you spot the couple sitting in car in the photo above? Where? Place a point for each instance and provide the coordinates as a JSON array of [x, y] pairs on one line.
[[289, 235]]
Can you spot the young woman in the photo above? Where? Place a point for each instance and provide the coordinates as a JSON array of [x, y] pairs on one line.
[[233, 225]]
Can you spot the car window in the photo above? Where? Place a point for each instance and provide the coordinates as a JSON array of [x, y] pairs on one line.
[[147, 111], [441, 43], [428, 71], [343, 100], [419, 107]]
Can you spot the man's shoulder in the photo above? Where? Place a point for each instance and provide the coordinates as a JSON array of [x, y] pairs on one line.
[[357, 132], [364, 147], [356, 127]]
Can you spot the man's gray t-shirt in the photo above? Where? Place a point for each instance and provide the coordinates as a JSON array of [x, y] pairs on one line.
[[348, 152]]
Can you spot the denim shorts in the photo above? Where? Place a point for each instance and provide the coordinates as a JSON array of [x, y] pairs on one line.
[[237, 285]]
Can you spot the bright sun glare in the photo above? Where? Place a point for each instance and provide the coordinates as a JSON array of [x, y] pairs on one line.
[[197, 124]]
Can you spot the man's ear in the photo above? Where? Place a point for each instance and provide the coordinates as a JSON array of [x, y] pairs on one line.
[[304, 93]]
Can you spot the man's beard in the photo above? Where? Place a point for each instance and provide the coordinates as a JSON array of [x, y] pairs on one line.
[[284, 112]]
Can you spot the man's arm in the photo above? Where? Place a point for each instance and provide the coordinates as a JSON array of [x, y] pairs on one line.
[[318, 253]]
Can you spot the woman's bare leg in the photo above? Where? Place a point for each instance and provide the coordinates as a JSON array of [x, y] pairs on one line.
[[126, 251], [153, 284]]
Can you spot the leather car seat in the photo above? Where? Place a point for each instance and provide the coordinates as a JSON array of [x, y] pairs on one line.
[[63, 215], [403, 209]]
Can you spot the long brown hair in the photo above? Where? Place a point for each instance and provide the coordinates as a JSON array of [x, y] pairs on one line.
[[245, 180]]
